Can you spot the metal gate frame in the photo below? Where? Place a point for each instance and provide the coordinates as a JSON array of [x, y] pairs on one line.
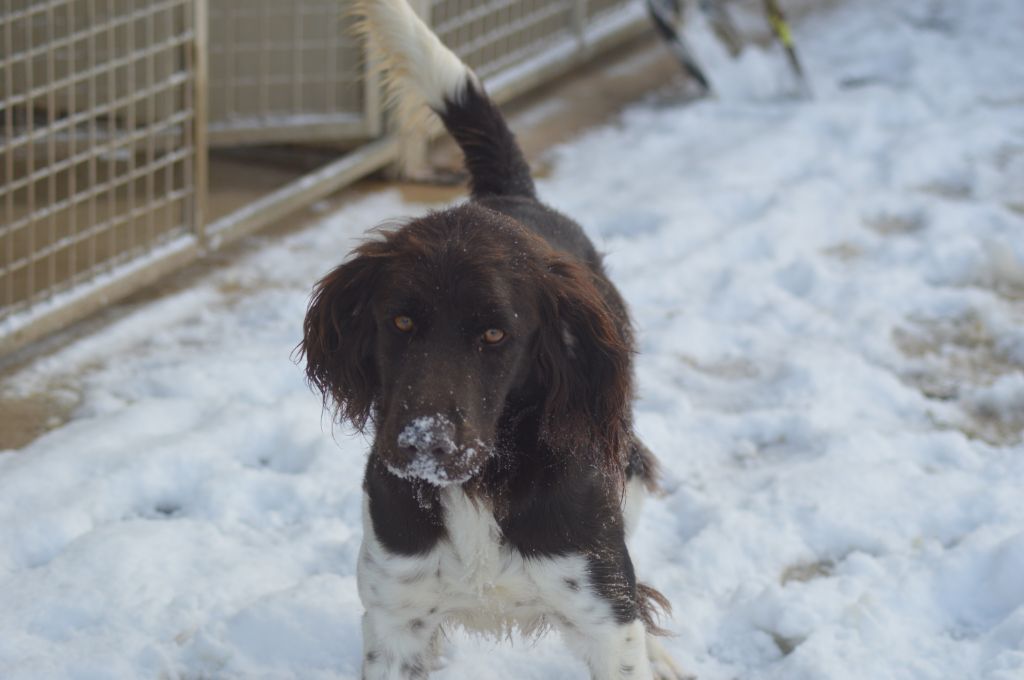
[[597, 26]]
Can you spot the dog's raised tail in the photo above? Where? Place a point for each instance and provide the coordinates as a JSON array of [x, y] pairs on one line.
[[418, 68]]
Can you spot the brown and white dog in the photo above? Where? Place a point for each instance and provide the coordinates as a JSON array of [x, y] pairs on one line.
[[492, 356]]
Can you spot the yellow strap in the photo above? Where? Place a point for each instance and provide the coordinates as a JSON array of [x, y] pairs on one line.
[[782, 30]]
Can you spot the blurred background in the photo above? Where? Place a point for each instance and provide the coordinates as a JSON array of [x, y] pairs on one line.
[[137, 134]]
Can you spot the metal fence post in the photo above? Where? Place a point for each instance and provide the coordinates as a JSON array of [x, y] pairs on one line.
[[199, 120]]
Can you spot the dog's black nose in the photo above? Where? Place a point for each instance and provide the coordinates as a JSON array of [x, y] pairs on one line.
[[429, 435]]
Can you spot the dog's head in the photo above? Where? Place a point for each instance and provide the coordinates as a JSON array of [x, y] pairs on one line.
[[444, 329]]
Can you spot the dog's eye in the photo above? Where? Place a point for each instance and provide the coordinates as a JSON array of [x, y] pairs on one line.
[[492, 336], [403, 323]]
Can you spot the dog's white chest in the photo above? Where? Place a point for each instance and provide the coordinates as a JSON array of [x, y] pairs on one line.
[[472, 558], [489, 585], [471, 577]]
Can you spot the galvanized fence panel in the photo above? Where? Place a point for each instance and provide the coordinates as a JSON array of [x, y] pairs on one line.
[[286, 72], [105, 106], [491, 35], [495, 35], [97, 136]]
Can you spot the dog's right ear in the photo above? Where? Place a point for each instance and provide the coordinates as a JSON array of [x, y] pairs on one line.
[[339, 334]]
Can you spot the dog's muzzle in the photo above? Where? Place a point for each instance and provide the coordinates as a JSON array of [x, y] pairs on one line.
[[427, 450]]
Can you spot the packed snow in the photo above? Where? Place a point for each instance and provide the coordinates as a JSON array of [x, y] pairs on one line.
[[829, 295]]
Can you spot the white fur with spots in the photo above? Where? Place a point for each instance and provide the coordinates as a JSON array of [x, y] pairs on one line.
[[473, 580]]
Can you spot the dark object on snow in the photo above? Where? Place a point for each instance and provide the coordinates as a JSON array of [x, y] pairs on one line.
[[722, 24], [666, 15], [780, 27]]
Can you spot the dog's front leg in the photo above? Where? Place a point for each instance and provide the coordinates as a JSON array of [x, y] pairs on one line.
[[585, 609], [596, 606], [397, 648], [616, 651], [402, 622]]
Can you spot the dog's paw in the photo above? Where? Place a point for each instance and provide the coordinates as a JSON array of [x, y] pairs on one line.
[[437, 656], [663, 666]]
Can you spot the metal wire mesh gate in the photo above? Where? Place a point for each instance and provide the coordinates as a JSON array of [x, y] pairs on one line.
[[286, 71], [99, 146], [106, 117]]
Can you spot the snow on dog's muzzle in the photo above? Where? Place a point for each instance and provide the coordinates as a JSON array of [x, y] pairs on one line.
[[428, 451]]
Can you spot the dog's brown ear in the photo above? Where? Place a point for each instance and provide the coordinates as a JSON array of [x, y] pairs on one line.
[[339, 333], [583, 361]]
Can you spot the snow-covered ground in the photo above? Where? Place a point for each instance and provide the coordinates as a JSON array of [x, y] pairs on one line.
[[830, 299]]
